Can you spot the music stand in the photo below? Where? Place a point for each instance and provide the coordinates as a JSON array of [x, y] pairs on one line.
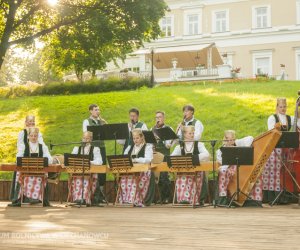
[[149, 137], [121, 164], [181, 163], [32, 166], [165, 133], [287, 140], [78, 164], [107, 132], [238, 156]]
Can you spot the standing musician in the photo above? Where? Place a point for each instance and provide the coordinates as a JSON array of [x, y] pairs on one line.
[[32, 185], [271, 173], [227, 172], [75, 185], [189, 120], [133, 192], [162, 147], [185, 187], [96, 120], [134, 123], [23, 135]]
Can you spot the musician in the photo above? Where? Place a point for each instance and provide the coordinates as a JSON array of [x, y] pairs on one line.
[[185, 186], [226, 172], [271, 173], [190, 120], [32, 185], [140, 153], [23, 135], [75, 186], [134, 115], [95, 120], [162, 147]]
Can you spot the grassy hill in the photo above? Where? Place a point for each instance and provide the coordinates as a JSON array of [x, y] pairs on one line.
[[243, 106]]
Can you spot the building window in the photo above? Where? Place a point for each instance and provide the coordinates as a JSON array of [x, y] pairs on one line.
[[193, 24], [166, 26], [262, 63], [220, 21], [261, 17], [298, 11]]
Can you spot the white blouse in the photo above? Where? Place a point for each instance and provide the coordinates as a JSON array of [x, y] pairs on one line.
[[148, 153], [96, 151], [203, 153], [34, 148], [21, 138], [282, 120], [243, 142]]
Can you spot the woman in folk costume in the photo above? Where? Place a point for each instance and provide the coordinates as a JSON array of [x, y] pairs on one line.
[[75, 184], [32, 185], [186, 191], [134, 192], [271, 173], [227, 172]]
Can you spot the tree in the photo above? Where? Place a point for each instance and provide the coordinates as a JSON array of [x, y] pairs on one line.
[[110, 32], [22, 21]]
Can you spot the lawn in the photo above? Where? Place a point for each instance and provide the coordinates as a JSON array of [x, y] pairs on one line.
[[242, 106]]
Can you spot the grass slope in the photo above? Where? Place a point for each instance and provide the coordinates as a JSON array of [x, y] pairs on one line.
[[243, 106]]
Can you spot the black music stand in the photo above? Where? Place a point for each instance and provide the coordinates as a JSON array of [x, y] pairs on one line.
[[287, 140], [165, 133], [238, 156], [114, 132], [82, 163], [186, 162], [149, 137]]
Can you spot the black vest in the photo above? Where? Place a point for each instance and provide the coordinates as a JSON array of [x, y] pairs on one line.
[[25, 139], [129, 141], [91, 153], [141, 153], [195, 151], [190, 123], [27, 150], [284, 127]]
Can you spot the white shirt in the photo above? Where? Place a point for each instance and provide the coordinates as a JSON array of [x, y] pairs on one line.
[[97, 156], [203, 153], [148, 153], [130, 128], [199, 128], [34, 148], [243, 142], [282, 120], [21, 138]]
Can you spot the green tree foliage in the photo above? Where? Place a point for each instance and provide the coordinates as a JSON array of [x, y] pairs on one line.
[[111, 31]]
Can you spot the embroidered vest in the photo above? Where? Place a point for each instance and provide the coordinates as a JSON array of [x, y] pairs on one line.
[[195, 150], [129, 141], [91, 153], [284, 127], [28, 154], [190, 123], [141, 153]]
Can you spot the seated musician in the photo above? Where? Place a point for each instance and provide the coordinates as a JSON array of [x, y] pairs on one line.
[[75, 185], [226, 172], [272, 169], [132, 192], [185, 187], [32, 185]]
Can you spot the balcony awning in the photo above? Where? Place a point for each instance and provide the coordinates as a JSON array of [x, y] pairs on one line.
[[188, 56]]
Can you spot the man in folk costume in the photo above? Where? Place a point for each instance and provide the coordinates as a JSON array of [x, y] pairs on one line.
[[271, 173], [185, 188], [96, 120], [133, 192], [75, 184], [32, 185], [227, 172], [162, 147], [189, 120], [134, 115]]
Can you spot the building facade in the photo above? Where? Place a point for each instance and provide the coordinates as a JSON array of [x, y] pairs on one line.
[[253, 37]]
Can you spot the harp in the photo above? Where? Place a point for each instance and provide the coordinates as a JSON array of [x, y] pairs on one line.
[[263, 147]]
